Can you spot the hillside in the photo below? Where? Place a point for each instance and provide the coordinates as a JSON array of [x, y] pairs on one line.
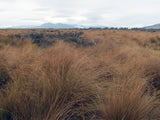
[[156, 26]]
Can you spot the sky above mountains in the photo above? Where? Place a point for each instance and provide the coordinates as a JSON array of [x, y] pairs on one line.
[[116, 13]]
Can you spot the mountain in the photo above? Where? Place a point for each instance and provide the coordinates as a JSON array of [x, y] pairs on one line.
[[57, 26], [156, 26], [49, 25]]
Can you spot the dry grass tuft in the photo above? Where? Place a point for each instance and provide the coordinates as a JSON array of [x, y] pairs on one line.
[[47, 87], [116, 79]]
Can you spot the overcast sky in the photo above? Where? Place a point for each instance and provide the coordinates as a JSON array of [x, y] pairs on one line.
[[125, 13]]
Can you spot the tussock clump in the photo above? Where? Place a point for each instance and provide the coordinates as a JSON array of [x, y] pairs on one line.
[[4, 76], [124, 93], [152, 71], [126, 99], [49, 87]]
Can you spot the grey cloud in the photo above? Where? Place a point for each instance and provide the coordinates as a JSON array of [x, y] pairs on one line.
[[91, 12], [137, 20], [63, 15], [41, 9], [29, 19], [2, 10], [7, 0]]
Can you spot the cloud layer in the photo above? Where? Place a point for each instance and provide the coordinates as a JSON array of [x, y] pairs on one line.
[[126, 13]]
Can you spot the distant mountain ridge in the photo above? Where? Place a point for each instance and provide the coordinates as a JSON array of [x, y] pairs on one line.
[[57, 26], [74, 26], [49, 25], [156, 26]]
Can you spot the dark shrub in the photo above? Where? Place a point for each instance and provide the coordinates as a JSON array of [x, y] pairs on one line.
[[4, 77]]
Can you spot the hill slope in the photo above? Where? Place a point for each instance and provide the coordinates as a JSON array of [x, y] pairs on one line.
[[156, 26]]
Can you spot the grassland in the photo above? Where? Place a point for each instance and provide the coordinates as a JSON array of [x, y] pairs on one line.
[[49, 74]]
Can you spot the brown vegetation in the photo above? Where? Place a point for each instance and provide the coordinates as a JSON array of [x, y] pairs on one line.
[[98, 75]]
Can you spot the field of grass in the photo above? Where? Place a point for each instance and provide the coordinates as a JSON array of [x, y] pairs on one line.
[[48, 74]]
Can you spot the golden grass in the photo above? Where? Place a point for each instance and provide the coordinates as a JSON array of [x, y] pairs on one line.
[[116, 79], [47, 86]]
